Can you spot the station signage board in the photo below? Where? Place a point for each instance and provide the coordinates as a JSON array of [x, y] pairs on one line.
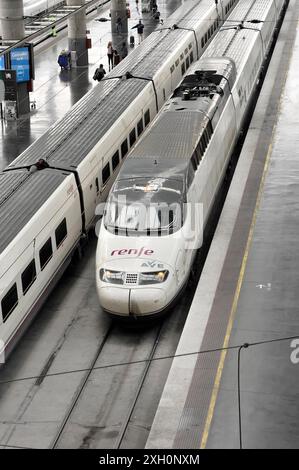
[[2, 62], [20, 62]]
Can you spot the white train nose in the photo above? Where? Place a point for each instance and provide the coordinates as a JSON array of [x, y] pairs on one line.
[[147, 301], [120, 301], [114, 299]]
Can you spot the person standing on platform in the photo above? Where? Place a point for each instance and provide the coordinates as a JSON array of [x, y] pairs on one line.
[[116, 58], [140, 28], [124, 50], [110, 55]]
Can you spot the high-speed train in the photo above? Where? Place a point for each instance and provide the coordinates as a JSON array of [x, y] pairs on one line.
[[49, 194], [150, 232]]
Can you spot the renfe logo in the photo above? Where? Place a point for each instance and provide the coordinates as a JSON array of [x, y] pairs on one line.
[[133, 251]]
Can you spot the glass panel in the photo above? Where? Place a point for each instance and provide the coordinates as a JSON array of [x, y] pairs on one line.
[[28, 276], [115, 160], [9, 302], [60, 233], [106, 173], [45, 253], [141, 206]]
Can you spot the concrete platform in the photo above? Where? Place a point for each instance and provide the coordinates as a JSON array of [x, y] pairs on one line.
[[248, 291], [56, 91]]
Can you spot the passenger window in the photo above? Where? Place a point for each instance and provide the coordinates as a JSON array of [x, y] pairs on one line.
[[209, 129], [191, 57], [147, 118], [206, 37], [207, 134], [97, 185], [9, 302], [139, 127], [200, 150], [196, 157], [194, 162], [202, 42], [106, 173], [132, 137], [187, 63], [28, 276], [45, 253], [183, 68], [190, 175], [164, 95], [60, 233], [177, 62], [115, 160], [124, 148]]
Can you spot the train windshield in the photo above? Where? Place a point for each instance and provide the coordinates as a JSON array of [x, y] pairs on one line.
[[144, 207]]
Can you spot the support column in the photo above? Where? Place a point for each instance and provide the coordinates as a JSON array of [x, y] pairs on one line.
[[77, 33], [12, 21], [12, 27], [119, 23]]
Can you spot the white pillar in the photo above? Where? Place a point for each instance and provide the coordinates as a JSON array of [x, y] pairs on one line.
[[77, 33], [12, 21]]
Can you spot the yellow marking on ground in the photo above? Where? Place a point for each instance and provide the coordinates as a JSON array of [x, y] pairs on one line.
[[216, 386], [234, 307]]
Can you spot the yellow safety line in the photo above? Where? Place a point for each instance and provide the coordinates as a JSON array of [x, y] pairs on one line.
[[234, 308], [211, 410]]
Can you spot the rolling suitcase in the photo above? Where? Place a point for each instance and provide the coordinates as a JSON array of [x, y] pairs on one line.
[[132, 41]]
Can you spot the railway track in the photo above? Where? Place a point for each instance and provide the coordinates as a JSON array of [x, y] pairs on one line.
[[81, 388], [139, 377]]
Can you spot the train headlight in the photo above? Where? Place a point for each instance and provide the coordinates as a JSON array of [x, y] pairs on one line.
[[153, 278], [113, 277]]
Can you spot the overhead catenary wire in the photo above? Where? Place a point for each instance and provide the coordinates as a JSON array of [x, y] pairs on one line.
[[140, 361], [174, 356]]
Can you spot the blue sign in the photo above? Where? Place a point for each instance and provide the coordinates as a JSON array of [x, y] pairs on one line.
[[2, 62], [19, 59]]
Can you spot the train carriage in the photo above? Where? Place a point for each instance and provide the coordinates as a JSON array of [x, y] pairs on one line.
[[143, 257], [89, 145]]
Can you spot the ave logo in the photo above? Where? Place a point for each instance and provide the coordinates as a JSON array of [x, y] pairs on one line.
[[152, 264]]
